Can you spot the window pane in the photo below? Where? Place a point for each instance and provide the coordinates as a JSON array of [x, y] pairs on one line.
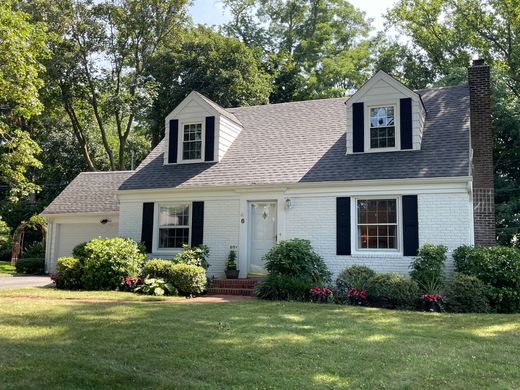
[[382, 127], [377, 223], [174, 215], [192, 142], [173, 237]]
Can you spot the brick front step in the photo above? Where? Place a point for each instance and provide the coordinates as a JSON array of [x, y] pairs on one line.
[[247, 292], [235, 283]]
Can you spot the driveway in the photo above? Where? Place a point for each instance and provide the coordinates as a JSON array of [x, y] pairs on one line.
[[24, 281]]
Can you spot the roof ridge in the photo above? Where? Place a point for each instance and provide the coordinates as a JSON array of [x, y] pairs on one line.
[[105, 172], [293, 102]]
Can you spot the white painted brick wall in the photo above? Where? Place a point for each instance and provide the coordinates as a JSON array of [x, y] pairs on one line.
[[221, 230], [130, 220], [443, 219]]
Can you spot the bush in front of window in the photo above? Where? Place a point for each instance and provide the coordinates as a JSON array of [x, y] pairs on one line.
[[193, 256], [189, 279], [297, 258], [428, 268], [159, 268], [69, 271], [34, 266], [277, 287], [393, 291], [467, 294], [108, 261], [497, 266], [356, 276]]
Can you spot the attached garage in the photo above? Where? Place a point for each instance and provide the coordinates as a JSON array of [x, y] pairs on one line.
[[87, 208]]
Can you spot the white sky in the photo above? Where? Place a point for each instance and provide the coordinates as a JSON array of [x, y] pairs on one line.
[[211, 12]]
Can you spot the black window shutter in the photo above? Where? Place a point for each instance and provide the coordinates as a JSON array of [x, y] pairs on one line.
[[343, 226], [147, 226], [406, 124], [410, 225], [358, 127], [173, 141], [197, 223], [209, 152]]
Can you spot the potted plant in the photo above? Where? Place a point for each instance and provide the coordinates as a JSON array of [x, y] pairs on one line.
[[231, 265]]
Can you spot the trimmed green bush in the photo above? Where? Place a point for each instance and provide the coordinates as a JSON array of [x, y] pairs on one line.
[[159, 268], [36, 250], [460, 258], [283, 287], [193, 256], [80, 251], [108, 261], [467, 294], [393, 291], [356, 276], [297, 258], [505, 299], [68, 273], [428, 268], [189, 279], [30, 266]]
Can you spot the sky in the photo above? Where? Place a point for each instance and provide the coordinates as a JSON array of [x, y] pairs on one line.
[[211, 12]]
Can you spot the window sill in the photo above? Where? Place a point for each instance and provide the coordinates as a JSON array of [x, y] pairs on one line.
[[377, 254]]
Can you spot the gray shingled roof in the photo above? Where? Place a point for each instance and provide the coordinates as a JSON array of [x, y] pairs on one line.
[[305, 142], [89, 192], [221, 110]]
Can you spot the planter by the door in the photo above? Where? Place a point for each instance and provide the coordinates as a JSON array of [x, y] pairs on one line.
[[232, 273]]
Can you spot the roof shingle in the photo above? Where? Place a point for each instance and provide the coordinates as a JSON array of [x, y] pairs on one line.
[[304, 142]]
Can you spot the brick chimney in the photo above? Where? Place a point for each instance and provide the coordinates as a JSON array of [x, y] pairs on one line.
[[482, 145]]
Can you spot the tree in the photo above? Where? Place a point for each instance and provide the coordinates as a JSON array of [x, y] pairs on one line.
[[219, 67], [312, 48], [22, 46], [101, 53]]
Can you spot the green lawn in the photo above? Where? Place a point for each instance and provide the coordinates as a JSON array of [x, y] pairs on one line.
[[57, 343], [6, 269]]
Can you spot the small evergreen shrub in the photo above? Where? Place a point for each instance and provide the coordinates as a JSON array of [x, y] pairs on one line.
[[80, 252], [460, 258], [505, 299], [467, 294], [159, 268], [108, 261], [68, 273], [393, 291], [193, 256], [297, 258], [428, 268], [276, 287], [36, 250], [189, 279], [30, 266], [356, 276]]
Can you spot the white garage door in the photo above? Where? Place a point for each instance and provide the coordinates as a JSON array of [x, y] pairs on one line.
[[68, 235]]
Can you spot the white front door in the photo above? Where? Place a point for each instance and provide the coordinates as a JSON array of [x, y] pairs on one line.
[[262, 234]]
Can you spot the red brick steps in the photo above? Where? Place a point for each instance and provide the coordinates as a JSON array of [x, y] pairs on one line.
[[243, 287]]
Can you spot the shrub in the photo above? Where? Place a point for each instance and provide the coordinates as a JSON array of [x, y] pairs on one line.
[[356, 276], [428, 268], [36, 250], [68, 273], [30, 266], [467, 294], [152, 286], [297, 258], [505, 299], [193, 256], [189, 279], [80, 252], [131, 283], [108, 261], [284, 288], [393, 291], [460, 258], [159, 268], [5, 240]]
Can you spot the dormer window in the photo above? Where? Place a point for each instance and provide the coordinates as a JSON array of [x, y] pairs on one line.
[[192, 141], [382, 127]]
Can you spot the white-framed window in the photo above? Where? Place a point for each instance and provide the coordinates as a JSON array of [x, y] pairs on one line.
[[377, 224], [382, 127], [192, 145], [174, 225]]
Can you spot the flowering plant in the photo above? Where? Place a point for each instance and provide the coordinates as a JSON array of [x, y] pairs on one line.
[[431, 297], [357, 296], [433, 302], [321, 294], [130, 283], [54, 277]]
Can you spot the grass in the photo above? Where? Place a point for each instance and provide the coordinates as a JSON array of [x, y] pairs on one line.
[[55, 343], [6, 269]]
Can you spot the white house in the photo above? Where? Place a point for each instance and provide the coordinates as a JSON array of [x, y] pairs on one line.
[[367, 179]]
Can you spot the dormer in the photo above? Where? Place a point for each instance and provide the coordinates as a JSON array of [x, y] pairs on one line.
[[198, 130], [384, 116]]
